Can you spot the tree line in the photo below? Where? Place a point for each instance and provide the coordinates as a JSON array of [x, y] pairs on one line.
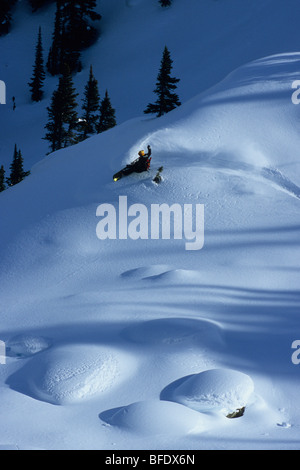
[[7, 6], [65, 127], [75, 15]]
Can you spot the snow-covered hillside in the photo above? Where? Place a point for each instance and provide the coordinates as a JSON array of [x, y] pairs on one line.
[[142, 344]]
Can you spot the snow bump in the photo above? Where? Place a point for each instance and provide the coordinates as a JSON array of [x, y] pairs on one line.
[[221, 390], [174, 332], [157, 417], [24, 345], [145, 272], [70, 374]]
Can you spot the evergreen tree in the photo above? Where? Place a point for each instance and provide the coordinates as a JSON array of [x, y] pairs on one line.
[[91, 105], [5, 15], [165, 3], [2, 179], [107, 118], [17, 173], [70, 43], [55, 124], [62, 114], [89, 33], [38, 77], [55, 56], [73, 32], [165, 86], [79, 15]]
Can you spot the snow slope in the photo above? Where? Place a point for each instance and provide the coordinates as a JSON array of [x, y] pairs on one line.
[[110, 341]]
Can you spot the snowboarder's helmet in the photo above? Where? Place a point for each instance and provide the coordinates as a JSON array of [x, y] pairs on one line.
[[141, 153]]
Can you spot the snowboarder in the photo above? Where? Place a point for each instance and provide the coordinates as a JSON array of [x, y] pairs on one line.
[[142, 163]]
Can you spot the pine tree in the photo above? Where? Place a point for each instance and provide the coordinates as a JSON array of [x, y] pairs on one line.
[[62, 114], [55, 124], [14, 170], [165, 3], [91, 106], [69, 34], [89, 32], [5, 15], [36, 84], [107, 118], [165, 86], [78, 16], [55, 56], [2, 179], [73, 32], [17, 173]]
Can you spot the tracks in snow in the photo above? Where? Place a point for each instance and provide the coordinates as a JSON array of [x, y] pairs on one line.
[[271, 175]]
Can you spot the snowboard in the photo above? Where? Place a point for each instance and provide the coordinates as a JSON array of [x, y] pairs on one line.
[[133, 167], [120, 174]]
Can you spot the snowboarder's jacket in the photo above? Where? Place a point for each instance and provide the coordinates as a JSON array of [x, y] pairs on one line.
[[143, 162]]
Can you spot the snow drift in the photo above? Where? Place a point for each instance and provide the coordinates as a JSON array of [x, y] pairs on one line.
[[66, 375], [215, 390]]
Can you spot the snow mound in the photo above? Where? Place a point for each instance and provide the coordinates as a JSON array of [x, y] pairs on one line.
[[176, 275], [174, 331], [222, 390], [70, 374], [158, 417], [162, 273], [144, 271], [26, 345]]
